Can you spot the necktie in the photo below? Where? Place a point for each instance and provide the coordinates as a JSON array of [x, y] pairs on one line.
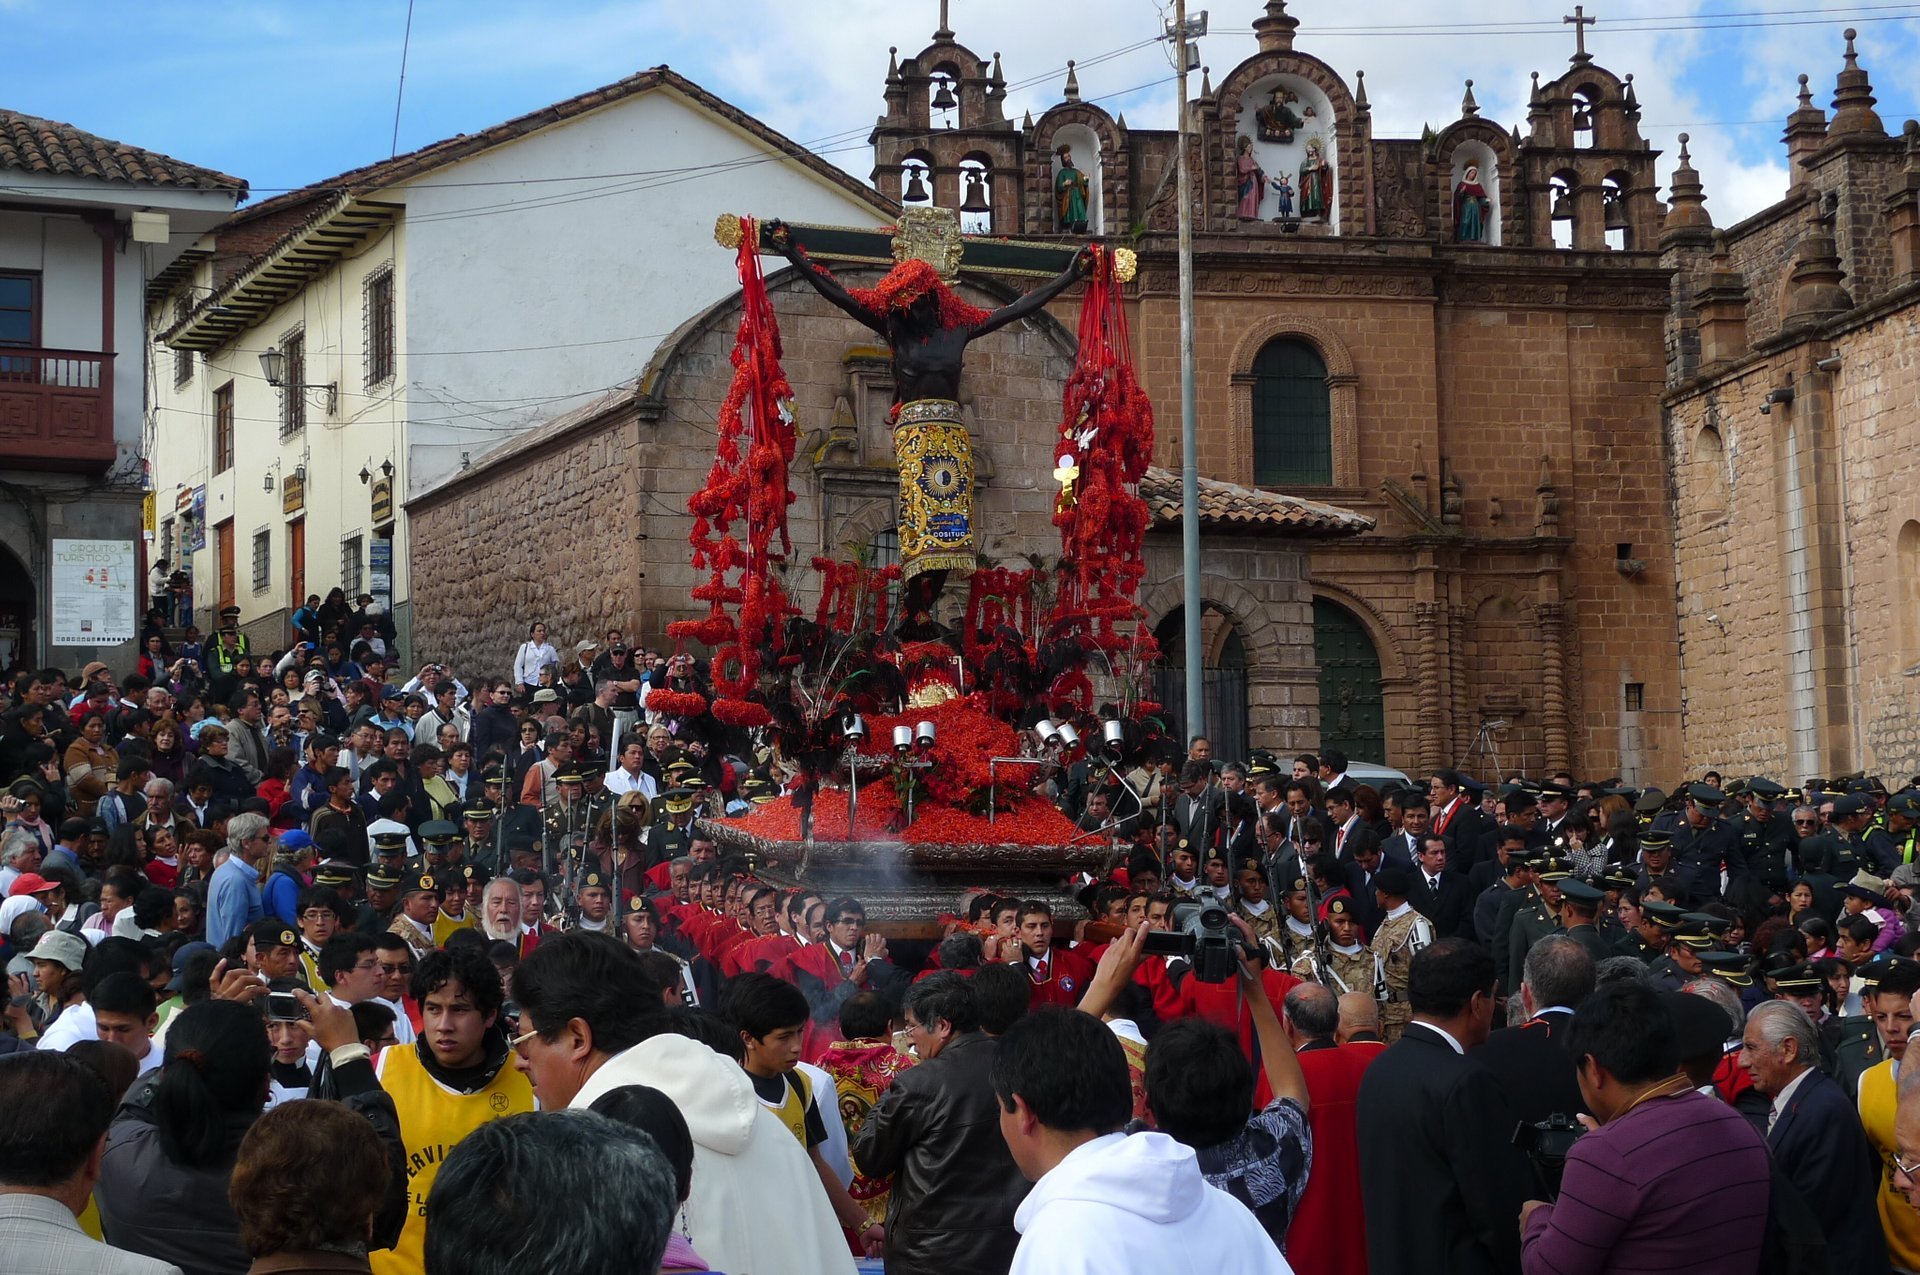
[[846, 962], [1773, 1114], [1039, 971], [1433, 884]]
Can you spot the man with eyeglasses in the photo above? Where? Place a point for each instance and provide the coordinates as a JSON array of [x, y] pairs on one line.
[[396, 972]]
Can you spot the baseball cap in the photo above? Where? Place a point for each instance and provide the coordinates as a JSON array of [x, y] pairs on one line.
[[29, 883]]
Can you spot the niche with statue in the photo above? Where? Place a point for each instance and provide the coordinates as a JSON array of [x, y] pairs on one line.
[[1285, 153]]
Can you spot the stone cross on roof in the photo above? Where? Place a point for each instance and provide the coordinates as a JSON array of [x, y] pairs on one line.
[[1580, 22]]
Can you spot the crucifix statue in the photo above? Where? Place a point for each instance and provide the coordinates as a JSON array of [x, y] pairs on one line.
[[1580, 22], [927, 327]]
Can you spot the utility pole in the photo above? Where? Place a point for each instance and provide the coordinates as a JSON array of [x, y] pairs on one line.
[[1189, 442]]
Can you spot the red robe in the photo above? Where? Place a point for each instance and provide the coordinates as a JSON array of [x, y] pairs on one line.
[[1068, 975], [1223, 1004], [1328, 1235]]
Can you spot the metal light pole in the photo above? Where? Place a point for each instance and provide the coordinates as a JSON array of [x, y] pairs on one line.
[[1189, 442]]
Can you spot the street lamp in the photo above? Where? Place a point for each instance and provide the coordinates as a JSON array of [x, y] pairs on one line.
[[273, 366]]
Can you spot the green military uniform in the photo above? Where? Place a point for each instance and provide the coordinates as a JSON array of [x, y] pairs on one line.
[[1394, 943], [1534, 921]]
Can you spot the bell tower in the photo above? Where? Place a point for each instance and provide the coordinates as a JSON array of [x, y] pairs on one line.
[[944, 140], [1588, 172]]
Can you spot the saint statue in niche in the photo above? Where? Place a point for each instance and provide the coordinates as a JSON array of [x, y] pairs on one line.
[[1472, 209], [1070, 189], [1316, 181], [1253, 182], [1277, 120], [1283, 191]]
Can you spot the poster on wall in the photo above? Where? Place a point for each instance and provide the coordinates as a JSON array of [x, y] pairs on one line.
[[199, 519], [94, 592], [380, 572]]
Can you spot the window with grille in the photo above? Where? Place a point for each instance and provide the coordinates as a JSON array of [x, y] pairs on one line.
[[1292, 420], [262, 560], [182, 359], [378, 301], [293, 399], [223, 428], [353, 559]]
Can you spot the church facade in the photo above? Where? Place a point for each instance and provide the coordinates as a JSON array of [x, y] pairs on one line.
[[1458, 336], [1792, 408]]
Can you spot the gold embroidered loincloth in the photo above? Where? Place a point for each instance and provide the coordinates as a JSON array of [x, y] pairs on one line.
[[936, 487]]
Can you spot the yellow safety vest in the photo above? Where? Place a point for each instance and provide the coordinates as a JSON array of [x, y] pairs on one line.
[[1879, 1097], [433, 1119]]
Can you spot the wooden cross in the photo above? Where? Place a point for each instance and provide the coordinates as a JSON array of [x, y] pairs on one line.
[[1580, 22], [930, 234]]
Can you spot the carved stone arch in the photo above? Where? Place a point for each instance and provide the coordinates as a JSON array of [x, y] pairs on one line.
[[860, 525], [1476, 140], [1392, 665], [1349, 130], [1343, 385], [1112, 196], [1247, 613]]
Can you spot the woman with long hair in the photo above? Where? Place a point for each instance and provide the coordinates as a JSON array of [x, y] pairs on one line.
[[534, 654], [165, 1178]]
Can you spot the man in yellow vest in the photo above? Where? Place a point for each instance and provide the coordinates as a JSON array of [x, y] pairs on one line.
[[1890, 1002], [456, 1077]]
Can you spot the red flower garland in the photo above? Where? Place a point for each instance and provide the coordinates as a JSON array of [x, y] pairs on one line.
[[677, 703], [912, 279], [746, 484], [1107, 429]]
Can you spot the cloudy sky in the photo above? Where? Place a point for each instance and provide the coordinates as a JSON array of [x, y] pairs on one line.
[[277, 93]]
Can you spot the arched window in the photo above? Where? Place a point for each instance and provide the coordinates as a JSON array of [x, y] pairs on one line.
[[1292, 420]]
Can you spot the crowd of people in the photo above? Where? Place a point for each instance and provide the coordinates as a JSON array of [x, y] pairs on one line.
[[316, 964]]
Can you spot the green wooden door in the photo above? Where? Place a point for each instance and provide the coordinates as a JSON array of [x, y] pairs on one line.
[[1351, 716]]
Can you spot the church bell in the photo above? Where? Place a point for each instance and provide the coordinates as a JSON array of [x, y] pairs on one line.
[[976, 200], [916, 189], [1562, 204], [943, 99], [1616, 212]]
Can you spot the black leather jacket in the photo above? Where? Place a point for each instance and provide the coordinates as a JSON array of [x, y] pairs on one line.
[[955, 1185]]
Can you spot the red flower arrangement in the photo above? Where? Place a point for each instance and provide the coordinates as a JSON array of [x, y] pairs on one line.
[[1026, 820], [677, 703], [746, 485], [1106, 430], [912, 279]]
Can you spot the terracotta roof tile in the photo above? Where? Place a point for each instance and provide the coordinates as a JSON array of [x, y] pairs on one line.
[[1231, 506], [34, 145]]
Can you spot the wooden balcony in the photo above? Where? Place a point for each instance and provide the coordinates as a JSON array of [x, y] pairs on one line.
[[56, 409]]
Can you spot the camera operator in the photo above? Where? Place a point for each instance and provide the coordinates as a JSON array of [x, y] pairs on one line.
[[1633, 1196]]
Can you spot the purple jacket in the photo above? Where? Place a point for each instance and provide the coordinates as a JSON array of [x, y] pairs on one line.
[[1679, 1183]]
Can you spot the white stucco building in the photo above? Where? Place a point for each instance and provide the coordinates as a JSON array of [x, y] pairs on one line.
[[88, 228], [435, 305]]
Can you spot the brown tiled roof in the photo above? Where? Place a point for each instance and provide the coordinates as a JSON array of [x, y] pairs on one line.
[[34, 145], [1233, 507], [437, 154]]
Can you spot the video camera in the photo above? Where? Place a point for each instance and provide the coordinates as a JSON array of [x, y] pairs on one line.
[[1546, 1144], [1205, 937]]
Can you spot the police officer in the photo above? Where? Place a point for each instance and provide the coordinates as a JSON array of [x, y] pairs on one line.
[[229, 645], [1534, 921], [1580, 905], [1348, 965]]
